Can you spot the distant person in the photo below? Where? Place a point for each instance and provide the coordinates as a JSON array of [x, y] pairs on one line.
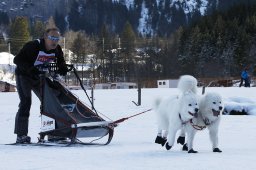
[[33, 53], [245, 78]]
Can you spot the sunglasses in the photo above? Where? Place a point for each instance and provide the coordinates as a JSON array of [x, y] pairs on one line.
[[56, 39]]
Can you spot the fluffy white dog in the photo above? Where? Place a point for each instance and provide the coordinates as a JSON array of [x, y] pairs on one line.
[[210, 111], [176, 110]]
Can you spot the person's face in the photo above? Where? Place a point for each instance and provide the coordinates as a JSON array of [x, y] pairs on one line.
[[52, 39]]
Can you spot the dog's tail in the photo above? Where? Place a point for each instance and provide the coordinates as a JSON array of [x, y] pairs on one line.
[[187, 83]]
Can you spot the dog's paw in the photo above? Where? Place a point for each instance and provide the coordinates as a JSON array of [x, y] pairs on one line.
[[164, 141], [160, 140], [167, 146], [216, 150], [192, 151], [181, 140], [185, 147]]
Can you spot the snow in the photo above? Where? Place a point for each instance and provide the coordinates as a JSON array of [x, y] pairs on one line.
[[240, 104], [203, 7], [6, 58], [133, 144], [191, 5], [128, 3], [7, 67], [145, 21]]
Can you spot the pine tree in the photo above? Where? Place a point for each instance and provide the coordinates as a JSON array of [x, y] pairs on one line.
[[60, 21], [78, 48], [104, 45], [240, 55], [74, 16], [19, 34], [104, 34], [4, 18], [128, 46], [38, 29], [50, 23], [128, 38], [171, 66]]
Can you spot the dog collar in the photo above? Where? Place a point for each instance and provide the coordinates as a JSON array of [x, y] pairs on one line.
[[197, 127]]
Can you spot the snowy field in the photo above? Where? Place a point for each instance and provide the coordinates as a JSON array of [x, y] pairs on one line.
[[133, 146]]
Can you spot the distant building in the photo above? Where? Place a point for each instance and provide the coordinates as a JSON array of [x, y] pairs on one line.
[[171, 83], [103, 86], [7, 87], [116, 85]]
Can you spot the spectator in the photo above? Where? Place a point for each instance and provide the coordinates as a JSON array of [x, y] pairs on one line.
[[245, 78]]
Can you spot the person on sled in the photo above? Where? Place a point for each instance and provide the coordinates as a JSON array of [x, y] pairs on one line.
[[33, 53]]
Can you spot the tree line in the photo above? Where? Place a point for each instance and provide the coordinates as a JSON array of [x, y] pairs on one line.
[[218, 45]]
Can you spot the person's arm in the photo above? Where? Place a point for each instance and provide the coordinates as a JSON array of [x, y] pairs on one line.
[[61, 62], [60, 57], [25, 58]]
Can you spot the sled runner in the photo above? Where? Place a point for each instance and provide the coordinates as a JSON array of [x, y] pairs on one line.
[[63, 143], [63, 115]]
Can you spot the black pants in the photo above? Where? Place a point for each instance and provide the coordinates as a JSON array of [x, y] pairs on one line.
[[241, 82], [25, 85], [246, 82]]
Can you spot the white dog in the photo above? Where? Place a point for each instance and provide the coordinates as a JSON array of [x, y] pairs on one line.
[[210, 111], [175, 111]]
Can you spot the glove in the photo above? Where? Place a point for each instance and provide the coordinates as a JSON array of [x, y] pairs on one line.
[[33, 71], [63, 70]]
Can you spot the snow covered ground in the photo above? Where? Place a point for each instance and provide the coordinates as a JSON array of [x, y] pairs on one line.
[[133, 146]]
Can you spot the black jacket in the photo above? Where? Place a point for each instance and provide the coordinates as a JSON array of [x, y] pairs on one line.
[[28, 55]]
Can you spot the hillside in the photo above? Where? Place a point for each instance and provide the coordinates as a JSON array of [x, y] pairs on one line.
[[148, 17]]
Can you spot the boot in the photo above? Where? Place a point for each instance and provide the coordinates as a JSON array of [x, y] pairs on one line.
[[160, 140], [21, 139]]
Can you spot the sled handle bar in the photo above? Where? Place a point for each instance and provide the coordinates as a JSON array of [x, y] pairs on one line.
[[52, 67]]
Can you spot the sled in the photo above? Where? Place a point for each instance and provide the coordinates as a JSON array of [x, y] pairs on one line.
[[64, 115]]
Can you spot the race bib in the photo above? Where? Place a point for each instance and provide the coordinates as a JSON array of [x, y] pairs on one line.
[[43, 58]]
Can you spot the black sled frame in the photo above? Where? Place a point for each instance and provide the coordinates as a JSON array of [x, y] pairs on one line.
[[67, 116]]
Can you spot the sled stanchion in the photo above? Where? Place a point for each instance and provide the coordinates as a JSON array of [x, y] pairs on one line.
[[135, 103], [82, 86]]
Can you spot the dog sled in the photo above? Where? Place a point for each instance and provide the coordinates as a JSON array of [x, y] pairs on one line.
[[63, 115]]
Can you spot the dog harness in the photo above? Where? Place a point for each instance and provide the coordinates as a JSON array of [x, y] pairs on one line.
[[197, 127]]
